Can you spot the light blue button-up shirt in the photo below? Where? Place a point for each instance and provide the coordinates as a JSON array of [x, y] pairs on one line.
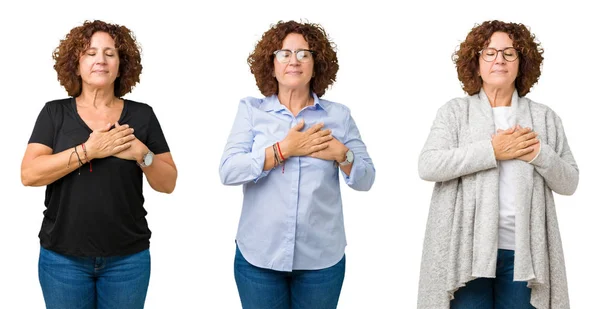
[[291, 218]]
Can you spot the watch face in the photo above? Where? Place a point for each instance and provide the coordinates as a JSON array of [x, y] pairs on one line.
[[148, 159], [350, 156]]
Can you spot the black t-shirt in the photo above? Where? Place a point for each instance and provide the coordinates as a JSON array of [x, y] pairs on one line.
[[97, 213]]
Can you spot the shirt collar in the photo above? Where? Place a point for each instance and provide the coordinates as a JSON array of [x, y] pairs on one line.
[[273, 104]]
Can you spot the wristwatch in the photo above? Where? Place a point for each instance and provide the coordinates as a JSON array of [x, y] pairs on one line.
[[147, 159], [349, 158]]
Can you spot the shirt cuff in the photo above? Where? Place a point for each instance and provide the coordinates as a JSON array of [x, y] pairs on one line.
[[258, 164], [536, 156], [358, 170]]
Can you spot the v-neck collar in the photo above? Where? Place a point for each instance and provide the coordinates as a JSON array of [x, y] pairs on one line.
[[82, 123]]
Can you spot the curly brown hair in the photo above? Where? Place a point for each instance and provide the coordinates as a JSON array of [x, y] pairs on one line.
[[325, 57], [530, 52], [66, 56]]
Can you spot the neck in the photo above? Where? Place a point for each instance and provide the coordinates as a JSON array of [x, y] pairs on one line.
[[96, 97], [499, 96], [295, 100]]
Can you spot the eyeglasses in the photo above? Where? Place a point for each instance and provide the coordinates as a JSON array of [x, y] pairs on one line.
[[489, 54], [285, 55]]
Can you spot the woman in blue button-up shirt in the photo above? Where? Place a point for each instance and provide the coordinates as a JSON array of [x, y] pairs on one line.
[[286, 150]]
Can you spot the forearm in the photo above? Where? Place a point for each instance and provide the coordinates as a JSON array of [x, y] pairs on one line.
[[240, 168], [269, 159], [46, 169], [347, 169], [360, 175], [161, 175], [439, 165], [559, 171]]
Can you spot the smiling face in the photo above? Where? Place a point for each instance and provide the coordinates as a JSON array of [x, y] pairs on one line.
[[499, 73], [294, 74], [99, 63]]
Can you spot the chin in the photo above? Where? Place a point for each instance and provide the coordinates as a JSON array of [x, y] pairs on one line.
[[298, 84], [100, 83], [501, 83]]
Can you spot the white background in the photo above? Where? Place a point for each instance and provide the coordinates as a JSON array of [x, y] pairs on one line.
[[395, 72]]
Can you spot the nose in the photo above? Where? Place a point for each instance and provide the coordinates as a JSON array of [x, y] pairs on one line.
[[100, 58], [294, 59], [500, 57]]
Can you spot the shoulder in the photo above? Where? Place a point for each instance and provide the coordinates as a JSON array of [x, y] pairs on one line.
[[255, 102], [538, 108], [56, 109], [457, 107], [59, 102], [57, 105], [541, 112], [459, 103]]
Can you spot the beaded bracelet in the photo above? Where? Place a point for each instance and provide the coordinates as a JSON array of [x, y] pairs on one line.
[[78, 160], [86, 157]]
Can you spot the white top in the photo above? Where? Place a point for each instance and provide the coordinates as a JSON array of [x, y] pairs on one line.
[[504, 119]]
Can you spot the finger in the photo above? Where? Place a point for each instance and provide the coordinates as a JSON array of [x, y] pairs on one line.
[[122, 147], [299, 125], [322, 139], [323, 132], [125, 139], [121, 127], [327, 138], [319, 147], [104, 129], [315, 128], [532, 141], [521, 131], [122, 132], [524, 151], [118, 130], [507, 131], [526, 137], [128, 132]]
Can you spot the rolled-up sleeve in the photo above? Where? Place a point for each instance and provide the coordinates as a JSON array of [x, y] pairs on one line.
[[362, 175], [239, 164]]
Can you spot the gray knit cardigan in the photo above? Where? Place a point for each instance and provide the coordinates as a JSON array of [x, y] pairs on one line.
[[461, 240]]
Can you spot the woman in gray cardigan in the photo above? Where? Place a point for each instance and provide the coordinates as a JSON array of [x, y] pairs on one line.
[[492, 238]]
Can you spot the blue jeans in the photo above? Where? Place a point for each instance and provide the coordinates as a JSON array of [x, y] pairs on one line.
[[94, 282], [495, 293], [261, 288]]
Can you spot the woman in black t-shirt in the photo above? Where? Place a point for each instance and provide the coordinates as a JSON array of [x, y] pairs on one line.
[[91, 151]]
